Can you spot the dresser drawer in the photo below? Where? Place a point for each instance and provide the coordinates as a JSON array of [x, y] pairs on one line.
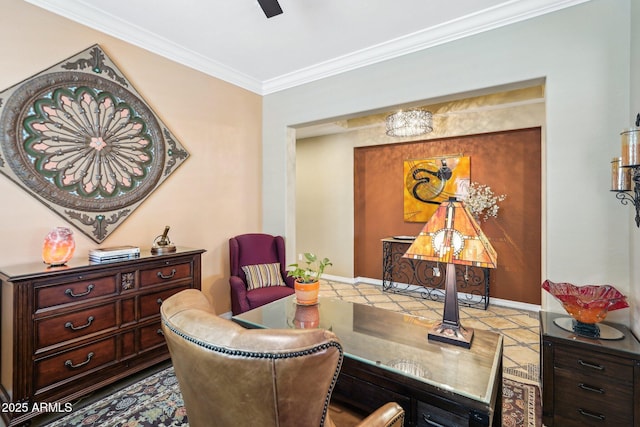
[[150, 303], [74, 325], [72, 363], [365, 395], [430, 416], [595, 365], [165, 273], [151, 336], [574, 414], [74, 292], [582, 397]]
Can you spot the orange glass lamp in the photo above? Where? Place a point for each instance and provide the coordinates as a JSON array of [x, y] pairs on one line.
[[452, 236], [58, 247]]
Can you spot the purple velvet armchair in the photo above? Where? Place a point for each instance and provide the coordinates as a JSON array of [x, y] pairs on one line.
[[251, 250]]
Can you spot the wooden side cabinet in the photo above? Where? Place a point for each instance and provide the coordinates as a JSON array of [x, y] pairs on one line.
[[67, 331], [588, 382]]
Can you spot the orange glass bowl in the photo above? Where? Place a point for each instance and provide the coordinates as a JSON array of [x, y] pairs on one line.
[[588, 304]]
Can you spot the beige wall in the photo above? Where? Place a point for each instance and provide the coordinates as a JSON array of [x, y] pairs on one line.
[[215, 194]]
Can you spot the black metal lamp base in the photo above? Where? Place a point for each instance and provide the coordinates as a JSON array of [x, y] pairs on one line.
[[450, 330], [451, 334]]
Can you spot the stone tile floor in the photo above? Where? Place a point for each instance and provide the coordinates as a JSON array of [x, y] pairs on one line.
[[520, 328]]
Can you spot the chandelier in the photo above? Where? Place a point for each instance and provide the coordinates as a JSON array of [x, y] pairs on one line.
[[409, 123]]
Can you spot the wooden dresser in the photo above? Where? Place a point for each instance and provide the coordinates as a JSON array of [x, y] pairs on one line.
[[67, 331], [588, 382]]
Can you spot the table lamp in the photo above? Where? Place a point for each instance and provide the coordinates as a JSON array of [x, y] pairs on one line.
[[452, 236], [58, 247]]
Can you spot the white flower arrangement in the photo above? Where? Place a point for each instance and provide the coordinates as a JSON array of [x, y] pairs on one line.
[[482, 202]]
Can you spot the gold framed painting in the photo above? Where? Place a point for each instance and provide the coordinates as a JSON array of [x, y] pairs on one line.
[[429, 182]]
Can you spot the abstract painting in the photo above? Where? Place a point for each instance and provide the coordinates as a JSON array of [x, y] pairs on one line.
[[429, 182]]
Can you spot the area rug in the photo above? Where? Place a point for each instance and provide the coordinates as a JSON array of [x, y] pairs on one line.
[[155, 401], [521, 404]]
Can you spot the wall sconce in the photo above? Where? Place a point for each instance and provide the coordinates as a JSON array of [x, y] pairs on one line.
[[626, 169]]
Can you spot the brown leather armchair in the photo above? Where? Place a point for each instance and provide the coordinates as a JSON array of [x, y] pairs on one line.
[[232, 376]]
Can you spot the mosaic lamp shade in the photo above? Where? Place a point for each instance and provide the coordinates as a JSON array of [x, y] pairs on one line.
[[452, 236]]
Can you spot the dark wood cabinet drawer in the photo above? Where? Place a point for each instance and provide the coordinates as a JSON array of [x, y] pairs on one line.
[[150, 303], [573, 414], [73, 325], [366, 396], [78, 361], [432, 416], [74, 292], [164, 274], [151, 336], [578, 392], [595, 365]]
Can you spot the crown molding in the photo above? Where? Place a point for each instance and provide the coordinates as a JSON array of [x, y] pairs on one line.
[[488, 19], [85, 14], [498, 16]]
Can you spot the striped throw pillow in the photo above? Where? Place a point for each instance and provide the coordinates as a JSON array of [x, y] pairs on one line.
[[263, 275]]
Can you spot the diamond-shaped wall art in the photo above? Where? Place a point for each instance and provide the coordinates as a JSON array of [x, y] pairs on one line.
[[79, 138]]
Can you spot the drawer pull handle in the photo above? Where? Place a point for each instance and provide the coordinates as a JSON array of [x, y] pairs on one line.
[[591, 414], [162, 276], [70, 364], [69, 325], [159, 301], [159, 332], [427, 419], [71, 294], [591, 365], [589, 388]]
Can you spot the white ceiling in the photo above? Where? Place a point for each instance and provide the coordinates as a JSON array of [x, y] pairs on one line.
[[312, 39]]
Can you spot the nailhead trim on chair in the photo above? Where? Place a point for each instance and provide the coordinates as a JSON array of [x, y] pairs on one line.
[[258, 355], [397, 418]]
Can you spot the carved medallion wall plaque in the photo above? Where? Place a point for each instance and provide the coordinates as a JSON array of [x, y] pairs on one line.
[[81, 139]]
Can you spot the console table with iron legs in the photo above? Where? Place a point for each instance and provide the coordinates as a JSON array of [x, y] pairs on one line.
[[426, 279]]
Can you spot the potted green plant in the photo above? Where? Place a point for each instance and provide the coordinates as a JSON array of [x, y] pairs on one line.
[[307, 275]]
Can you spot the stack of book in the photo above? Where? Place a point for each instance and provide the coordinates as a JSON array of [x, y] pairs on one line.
[[116, 253]]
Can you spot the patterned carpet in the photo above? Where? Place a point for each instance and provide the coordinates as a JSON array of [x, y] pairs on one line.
[[154, 398]]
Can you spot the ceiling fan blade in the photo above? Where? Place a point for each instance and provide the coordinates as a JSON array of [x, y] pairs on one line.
[[271, 8]]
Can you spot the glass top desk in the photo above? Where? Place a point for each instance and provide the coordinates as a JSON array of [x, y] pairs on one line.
[[388, 358]]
